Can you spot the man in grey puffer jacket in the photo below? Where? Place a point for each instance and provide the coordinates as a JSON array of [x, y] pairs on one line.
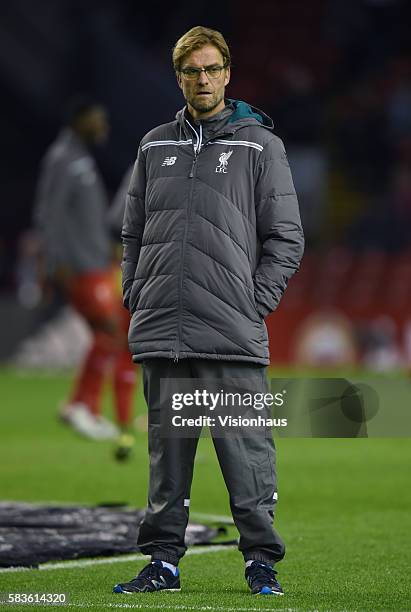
[[211, 236]]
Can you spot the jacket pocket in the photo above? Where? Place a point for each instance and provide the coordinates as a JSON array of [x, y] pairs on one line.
[[251, 299], [136, 289]]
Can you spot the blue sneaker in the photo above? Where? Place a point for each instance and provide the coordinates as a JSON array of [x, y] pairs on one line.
[[261, 579], [154, 577]]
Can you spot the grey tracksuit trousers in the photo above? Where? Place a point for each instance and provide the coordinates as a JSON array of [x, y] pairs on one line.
[[247, 464]]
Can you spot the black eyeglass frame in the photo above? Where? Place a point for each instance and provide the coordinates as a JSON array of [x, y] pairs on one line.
[[197, 71]]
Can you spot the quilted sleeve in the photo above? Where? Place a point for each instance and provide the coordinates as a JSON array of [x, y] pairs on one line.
[[278, 227], [133, 225]]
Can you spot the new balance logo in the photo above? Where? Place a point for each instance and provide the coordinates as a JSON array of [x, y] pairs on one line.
[[223, 159], [169, 161], [159, 585]]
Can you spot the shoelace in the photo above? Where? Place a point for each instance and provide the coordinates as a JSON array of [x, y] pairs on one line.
[[264, 573], [152, 570]]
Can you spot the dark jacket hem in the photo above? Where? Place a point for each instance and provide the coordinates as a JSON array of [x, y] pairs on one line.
[[139, 357]]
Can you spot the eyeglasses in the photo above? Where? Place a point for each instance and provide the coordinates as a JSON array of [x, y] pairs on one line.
[[213, 72]]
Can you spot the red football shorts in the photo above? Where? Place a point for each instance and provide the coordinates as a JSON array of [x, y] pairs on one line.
[[96, 296]]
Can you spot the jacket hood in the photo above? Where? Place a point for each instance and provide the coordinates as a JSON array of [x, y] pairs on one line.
[[243, 114]]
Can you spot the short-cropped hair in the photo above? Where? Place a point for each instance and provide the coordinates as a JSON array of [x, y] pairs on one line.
[[196, 38]]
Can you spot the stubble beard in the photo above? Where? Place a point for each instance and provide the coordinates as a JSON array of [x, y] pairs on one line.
[[206, 105]]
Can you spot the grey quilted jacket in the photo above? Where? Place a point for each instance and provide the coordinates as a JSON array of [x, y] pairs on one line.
[[211, 236]]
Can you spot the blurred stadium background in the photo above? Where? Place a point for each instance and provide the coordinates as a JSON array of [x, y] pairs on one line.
[[335, 75]]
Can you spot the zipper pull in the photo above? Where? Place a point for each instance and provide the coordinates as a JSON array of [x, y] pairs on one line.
[[175, 358], [191, 175]]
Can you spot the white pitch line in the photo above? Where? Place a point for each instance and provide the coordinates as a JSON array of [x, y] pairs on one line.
[[201, 550]]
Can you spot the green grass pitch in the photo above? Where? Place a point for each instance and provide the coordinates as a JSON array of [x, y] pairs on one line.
[[344, 512]]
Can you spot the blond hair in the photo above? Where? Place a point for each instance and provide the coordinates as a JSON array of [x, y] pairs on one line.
[[196, 38]]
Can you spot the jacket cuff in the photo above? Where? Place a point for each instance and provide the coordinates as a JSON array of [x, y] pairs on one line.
[[263, 311], [126, 299]]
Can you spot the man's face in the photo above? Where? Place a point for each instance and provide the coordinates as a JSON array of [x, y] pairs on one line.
[[204, 95], [94, 125]]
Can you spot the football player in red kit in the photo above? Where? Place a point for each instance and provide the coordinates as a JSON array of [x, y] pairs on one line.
[[71, 215]]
